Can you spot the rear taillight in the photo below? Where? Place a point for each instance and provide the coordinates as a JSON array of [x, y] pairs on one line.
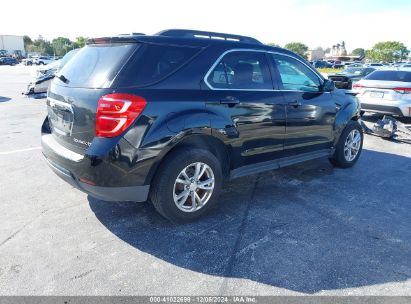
[[403, 90], [116, 112], [357, 86]]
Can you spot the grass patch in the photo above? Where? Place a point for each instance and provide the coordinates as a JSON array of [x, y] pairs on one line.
[[329, 70]]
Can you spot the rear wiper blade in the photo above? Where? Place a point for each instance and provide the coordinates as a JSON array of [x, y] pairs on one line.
[[62, 78]]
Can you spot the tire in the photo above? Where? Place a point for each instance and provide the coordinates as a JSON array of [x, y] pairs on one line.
[[165, 187], [340, 157]]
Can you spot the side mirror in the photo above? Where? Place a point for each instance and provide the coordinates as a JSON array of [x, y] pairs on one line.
[[328, 86]]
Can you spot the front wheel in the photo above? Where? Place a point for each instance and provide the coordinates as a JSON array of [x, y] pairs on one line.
[[349, 146], [187, 184]]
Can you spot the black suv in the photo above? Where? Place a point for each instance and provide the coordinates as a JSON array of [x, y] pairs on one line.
[[171, 116]]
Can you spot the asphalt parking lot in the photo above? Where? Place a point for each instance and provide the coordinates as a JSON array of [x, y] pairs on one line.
[[306, 229]]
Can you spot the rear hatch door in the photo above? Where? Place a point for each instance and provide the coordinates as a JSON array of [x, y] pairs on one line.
[[74, 93]]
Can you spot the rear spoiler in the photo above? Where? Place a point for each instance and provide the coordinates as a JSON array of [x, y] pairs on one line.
[[111, 40]]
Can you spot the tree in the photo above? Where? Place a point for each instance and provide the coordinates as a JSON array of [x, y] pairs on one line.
[[80, 42], [41, 46], [358, 52], [387, 51], [297, 47], [27, 41], [273, 44], [61, 45]]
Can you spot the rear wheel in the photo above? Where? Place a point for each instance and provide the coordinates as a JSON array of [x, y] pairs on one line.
[[187, 184], [349, 146]]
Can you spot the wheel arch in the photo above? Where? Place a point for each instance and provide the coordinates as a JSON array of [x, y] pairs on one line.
[[200, 141], [350, 111]]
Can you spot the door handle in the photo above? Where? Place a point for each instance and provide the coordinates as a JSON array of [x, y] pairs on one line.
[[230, 101], [295, 103]]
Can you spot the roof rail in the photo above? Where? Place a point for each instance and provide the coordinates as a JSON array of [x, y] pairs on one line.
[[209, 35]]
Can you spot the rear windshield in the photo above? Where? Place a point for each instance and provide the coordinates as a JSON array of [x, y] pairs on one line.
[[67, 57], [403, 76], [95, 66], [153, 63]]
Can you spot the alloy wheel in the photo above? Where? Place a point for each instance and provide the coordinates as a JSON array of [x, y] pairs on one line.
[[193, 187], [352, 145]]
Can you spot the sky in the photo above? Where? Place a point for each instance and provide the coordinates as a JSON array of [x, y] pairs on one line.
[[360, 23]]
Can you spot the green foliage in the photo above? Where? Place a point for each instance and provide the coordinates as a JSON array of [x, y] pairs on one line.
[[273, 44], [58, 46], [27, 41], [387, 51], [358, 52], [80, 42], [297, 47], [41, 46], [61, 46]]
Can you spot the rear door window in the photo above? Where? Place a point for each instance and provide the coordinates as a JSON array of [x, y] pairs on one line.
[[241, 70], [95, 66], [153, 63]]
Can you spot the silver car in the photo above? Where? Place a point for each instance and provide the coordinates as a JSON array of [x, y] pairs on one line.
[[386, 91]]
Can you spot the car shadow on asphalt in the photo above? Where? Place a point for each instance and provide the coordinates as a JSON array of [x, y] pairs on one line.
[[306, 228]]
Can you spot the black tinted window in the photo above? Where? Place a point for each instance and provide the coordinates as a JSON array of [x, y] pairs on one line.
[[154, 62], [95, 66], [390, 76], [242, 70]]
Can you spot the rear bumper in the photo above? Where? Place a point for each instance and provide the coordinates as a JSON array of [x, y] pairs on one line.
[[106, 177], [131, 193], [391, 110]]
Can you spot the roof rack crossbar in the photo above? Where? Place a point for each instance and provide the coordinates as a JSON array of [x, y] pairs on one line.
[[209, 35]]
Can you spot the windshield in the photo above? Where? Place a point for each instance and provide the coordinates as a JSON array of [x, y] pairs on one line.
[[95, 66], [402, 76]]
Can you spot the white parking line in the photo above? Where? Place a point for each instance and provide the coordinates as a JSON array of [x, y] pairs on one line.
[[21, 150]]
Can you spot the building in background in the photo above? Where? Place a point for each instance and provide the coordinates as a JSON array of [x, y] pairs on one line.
[[339, 52], [316, 54], [11, 45]]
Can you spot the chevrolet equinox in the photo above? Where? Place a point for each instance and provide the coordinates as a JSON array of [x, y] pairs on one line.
[[169, 117]]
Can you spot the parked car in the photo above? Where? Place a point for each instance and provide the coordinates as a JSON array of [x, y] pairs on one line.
[[350, 75], [322, 64], [46, 74], [27, 61], [378, 65], [338, 65], [43, 60], [353, 64], [386, 91], [8, 61], [170, 116]]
